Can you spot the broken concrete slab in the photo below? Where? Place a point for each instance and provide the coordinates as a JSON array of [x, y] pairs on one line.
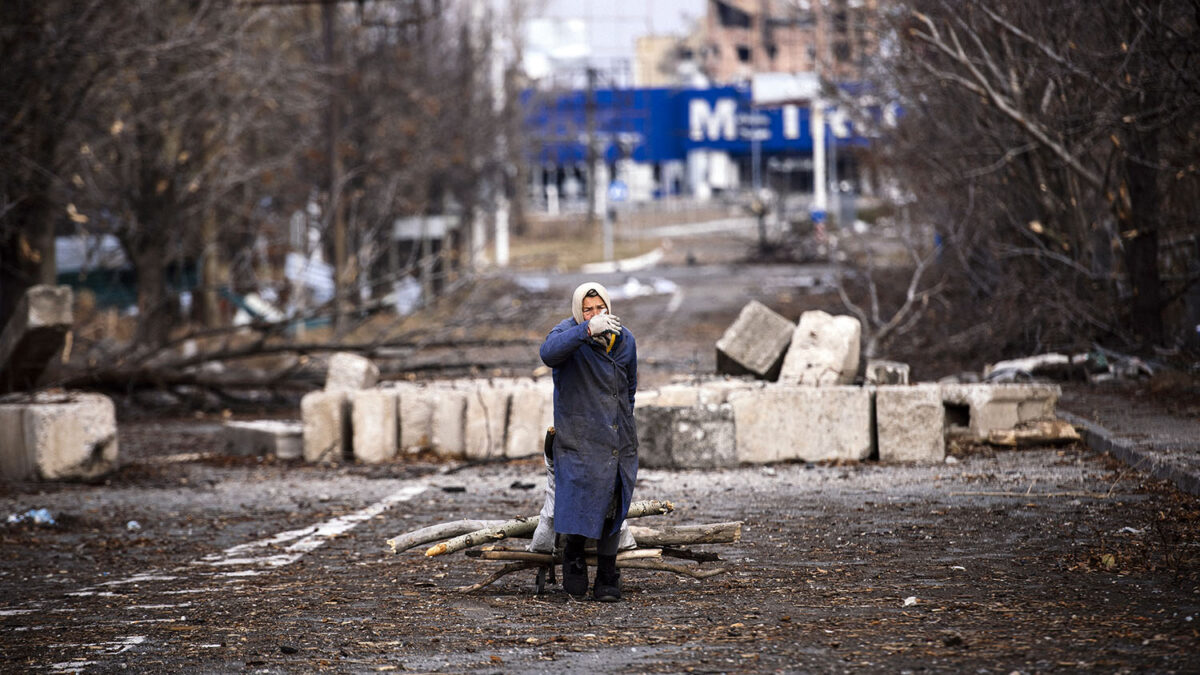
[[486, 419], [884, 372], [257, 438], [910, 423], [69, 436], [325, 416], [1037, 432], [696, 437], [531, 412], [373, 425], [350, 372], [34, 335], [824, 350], [978, 409], [755, 343], [781, 423]]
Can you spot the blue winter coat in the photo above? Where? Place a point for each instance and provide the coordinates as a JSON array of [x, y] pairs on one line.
[[595, 442]]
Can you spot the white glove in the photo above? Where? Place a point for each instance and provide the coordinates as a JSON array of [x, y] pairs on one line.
[[602, 323]]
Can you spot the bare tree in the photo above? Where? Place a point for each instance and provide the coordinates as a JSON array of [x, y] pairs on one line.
[[1058, 134], [54, 53]]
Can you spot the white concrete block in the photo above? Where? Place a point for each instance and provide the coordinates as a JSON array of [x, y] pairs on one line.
[[755, 343], [824, 350], [373, 425], [59, 436], [697, 437], [910, 423], [486, 420], [677, 395], [282, 439], [531, 412], [447, 422], [350, 372], [999, 407], [325, 417], [717, 392], [781, 423], [884, 372], [416, 407]]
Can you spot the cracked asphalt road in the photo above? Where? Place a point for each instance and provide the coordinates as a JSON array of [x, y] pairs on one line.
[[1043, 560]]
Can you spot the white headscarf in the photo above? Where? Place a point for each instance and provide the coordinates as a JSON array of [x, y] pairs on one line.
[[581, 292]]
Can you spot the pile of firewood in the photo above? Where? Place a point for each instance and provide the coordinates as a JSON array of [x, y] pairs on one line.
[[653, 545]]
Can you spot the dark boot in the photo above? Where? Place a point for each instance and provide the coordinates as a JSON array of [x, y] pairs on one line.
[[574, 573], [608, 579]]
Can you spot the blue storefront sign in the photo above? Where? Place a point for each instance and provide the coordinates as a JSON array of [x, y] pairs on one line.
[[658, 125]]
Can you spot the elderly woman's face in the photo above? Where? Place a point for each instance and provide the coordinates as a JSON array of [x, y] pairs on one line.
[[592, 306]]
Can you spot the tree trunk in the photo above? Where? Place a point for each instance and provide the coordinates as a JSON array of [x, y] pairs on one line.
[[154, 317], [1141, 249]]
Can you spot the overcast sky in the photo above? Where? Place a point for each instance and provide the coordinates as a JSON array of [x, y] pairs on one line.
[[614, 25]]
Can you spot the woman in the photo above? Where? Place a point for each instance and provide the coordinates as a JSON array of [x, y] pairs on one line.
[[594, 360]]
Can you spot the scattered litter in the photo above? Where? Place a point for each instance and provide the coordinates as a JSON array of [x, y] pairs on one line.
[[910, 601], [133, 526], [521, 485], [768, 471], [36, 516], [454, 488], [959, 568], [1130, 530], [951, 459], [324, 498]]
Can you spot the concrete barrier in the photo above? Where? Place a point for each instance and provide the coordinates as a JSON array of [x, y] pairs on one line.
[[695, 437], [282, 439], [448, 422], [882, 372], [781, 423], [824, 350], [373, 425], [531, 411], [754, 343], [350, 372], [416, 405], [34, 335], [325, 416], [982, 408], [486, 420], [58, 436], [910, 423]]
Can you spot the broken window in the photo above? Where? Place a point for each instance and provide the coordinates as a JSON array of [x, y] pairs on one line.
[[732, 17]]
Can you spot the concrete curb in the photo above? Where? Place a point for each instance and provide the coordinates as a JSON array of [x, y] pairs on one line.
[[1160, 462]]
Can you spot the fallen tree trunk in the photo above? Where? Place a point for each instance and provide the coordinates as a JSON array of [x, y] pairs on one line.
[[520, 526], [713, 533]]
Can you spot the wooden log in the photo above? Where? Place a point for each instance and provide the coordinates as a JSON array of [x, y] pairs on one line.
[[439, 532], [660, 566], [520, 526], [503, 571], [713, 533]]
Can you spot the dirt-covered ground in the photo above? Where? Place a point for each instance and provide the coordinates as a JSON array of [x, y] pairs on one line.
[[1031, 561], [186, 559]]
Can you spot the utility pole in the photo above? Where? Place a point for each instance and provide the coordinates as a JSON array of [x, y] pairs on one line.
[[334, 177], [589, 111]]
